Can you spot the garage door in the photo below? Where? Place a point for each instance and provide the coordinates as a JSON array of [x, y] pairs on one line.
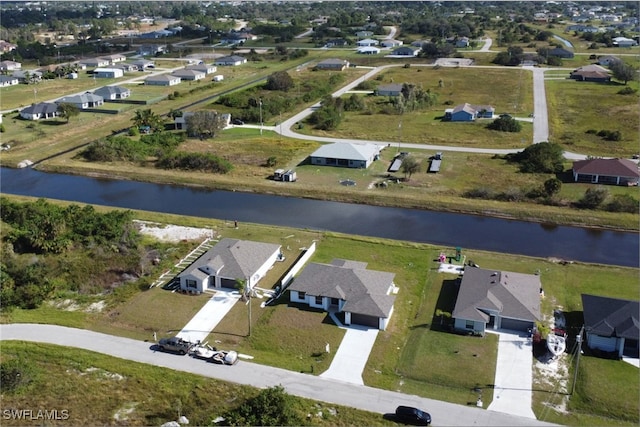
[[364, 320], [228, 283], [516, 325]]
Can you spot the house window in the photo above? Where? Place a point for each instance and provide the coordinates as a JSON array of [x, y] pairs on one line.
[[192, 284], [302, 295], [319, 300], [469, 324], [335, 301]]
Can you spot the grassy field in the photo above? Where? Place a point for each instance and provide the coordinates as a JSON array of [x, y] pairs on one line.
[[137, 394]]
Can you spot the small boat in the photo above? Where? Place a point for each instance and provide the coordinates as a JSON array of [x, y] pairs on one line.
[[559, 319], [225, 357], [556, 344], [203, 351]]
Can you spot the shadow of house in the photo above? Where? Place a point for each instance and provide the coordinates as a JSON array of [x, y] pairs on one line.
[[445, 304]]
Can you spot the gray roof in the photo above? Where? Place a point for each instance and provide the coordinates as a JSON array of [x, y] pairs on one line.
[[188, 73], [81, 99], [391, 87], [334, 61], [342, 150], [611, 317], [472, 109], [110, 90], [364, 291], [231, 58], [41, 108], [236, 259], [512, 295], [161, 78], [8, 78]]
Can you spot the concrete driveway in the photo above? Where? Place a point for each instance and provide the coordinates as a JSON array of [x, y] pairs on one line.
[[209, 316], [514, 375], [352, 355]]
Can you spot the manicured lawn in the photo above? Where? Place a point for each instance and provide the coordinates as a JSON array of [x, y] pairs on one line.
[[570, 117]]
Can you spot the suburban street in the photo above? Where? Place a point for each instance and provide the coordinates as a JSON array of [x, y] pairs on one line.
[[254, 374]]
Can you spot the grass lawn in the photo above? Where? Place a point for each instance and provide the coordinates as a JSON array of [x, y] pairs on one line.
[[133, 393], [570, 117]]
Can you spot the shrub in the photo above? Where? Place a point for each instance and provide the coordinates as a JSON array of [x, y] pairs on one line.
[[479, 193], [272, 161], [623, 203], [2, 129], [627, 90], [544, 157], [505, 124], [133, 131], [195, 161], [593, 198]]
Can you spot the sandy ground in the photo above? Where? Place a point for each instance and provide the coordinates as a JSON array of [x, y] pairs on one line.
[[173, 233]]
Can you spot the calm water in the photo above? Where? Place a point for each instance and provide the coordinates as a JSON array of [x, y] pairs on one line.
[[446, 229]]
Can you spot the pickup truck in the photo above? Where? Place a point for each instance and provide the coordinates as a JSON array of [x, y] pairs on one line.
[[175, 344]]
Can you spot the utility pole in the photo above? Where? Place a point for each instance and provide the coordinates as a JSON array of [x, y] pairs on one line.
[[248, 291], [579, 350], [260, 102]]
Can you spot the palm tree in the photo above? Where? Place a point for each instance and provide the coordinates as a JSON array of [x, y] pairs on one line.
[[148, 118]]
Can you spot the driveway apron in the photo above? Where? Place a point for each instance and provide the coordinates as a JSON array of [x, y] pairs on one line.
[[352, 355], [513, 382], [209, 316]]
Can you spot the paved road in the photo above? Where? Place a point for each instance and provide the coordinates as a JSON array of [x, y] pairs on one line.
[[309, 386], [541, 118]]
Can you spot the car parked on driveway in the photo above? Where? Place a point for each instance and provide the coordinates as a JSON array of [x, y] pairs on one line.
[[413, 416], [175, 344]]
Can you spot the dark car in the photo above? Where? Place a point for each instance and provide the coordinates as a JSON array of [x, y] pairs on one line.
[[237, 122], [413, 416], [175, 344]]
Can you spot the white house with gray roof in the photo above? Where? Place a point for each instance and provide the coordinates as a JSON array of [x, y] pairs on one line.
[[229, 260], [189, 74], [346, 155], [110, 93], [83, 101], [364, 296], [496, 300]]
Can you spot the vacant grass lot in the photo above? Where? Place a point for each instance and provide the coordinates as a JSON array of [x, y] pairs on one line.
[[412, 355], [97, 389]]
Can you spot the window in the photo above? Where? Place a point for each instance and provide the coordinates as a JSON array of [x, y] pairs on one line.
[[319, 300], [191, 283], [302, 295], [469, 324], [335, 301]]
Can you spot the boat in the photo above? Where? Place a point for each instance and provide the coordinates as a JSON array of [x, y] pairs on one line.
[[556, 344], [203, 351], [225, 357]]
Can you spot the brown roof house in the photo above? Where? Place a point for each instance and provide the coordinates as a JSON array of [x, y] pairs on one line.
[[591, 73], [496, 300], [612, 324], [228, 261], [606, 171], [364, 296]]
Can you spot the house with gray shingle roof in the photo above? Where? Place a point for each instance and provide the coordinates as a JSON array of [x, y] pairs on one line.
[[110, 93], [83, 101], [231, 60], [346, 155], [612, 324], [228, 261], [391, 89], [497, 300], [42, 110], [332, 64], [364, 296], [162, 80], [190, 74]]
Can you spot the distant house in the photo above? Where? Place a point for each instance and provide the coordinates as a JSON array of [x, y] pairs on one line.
[[611, 324], [624, 42], [608, 60], [560, 53], [43, 110], [364, 296], [497, 300], [368, 50], [185, 74], [181, 122], [8, 81], [143, 63], [468, 113], [406, 51], [232, 60], [110, 93], [32, 75], [227, 262], [156, 34], [84, 101], [95, 62], [336, 43], [364, 34], [125, 67], [461, 42], [108, 73], [237, 37], [10, 66], [582, 28], [392, 89], [346, 155], [591, 73], [115, 58], [5, 46], [205, 68], [367, 42], [162, 80], [606, 171], [332, 64], [391, 43], [152, 49]]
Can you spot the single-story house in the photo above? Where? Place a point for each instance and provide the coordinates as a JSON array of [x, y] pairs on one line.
[[497, 300], [126, 67], [406, 51], [228, 261], [162, 80], [560, 53], [156, 34], [392, 89], [143, 63], [5, 46], [462, 42], [391, 43], [205, 68], [231, 60], [84, 101], [367, 42], [364, 296], [185, 74], [95, 62], [608, 60], [336, 43], [346, 155], [611, 324], [151, 49], [181, 122], [624, 42], [10, 66], [583, 28], [8, 81], [606, 171], [108, 73], [110, 93], [468, 113], [590, 76], [21, 75], [368, 50], [43, 110], [116, 57], [332, 64]]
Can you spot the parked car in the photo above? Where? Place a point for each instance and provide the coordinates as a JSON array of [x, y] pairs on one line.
[[175, 344], [237, 122], [413, 416]]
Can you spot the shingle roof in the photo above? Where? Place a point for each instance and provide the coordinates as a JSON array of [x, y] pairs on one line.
[[364, 291], [41, 108], [513, 295], [237, 259], [392, 87], [611, 317], [81, 99], [110, 90], [188, 73], [607, 167], [342, 150], [161, 78]]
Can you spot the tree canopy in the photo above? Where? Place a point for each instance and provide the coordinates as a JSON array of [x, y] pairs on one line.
[[623, 71], [271, 407], [280, 80], [68, 110], [544, 157], [205, 124]]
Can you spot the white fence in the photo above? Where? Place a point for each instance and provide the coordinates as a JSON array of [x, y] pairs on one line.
[[297, 266]]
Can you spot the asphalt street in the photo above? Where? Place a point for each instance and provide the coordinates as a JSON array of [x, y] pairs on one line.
[[254, 374]]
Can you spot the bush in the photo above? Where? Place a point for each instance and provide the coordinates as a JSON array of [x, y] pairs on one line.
[[623, 203], [195, 161], [134, 131], [479, 193], [609, 135], [505, 124], [593, 198], [628, 90], [544, 157], [2, 129]]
